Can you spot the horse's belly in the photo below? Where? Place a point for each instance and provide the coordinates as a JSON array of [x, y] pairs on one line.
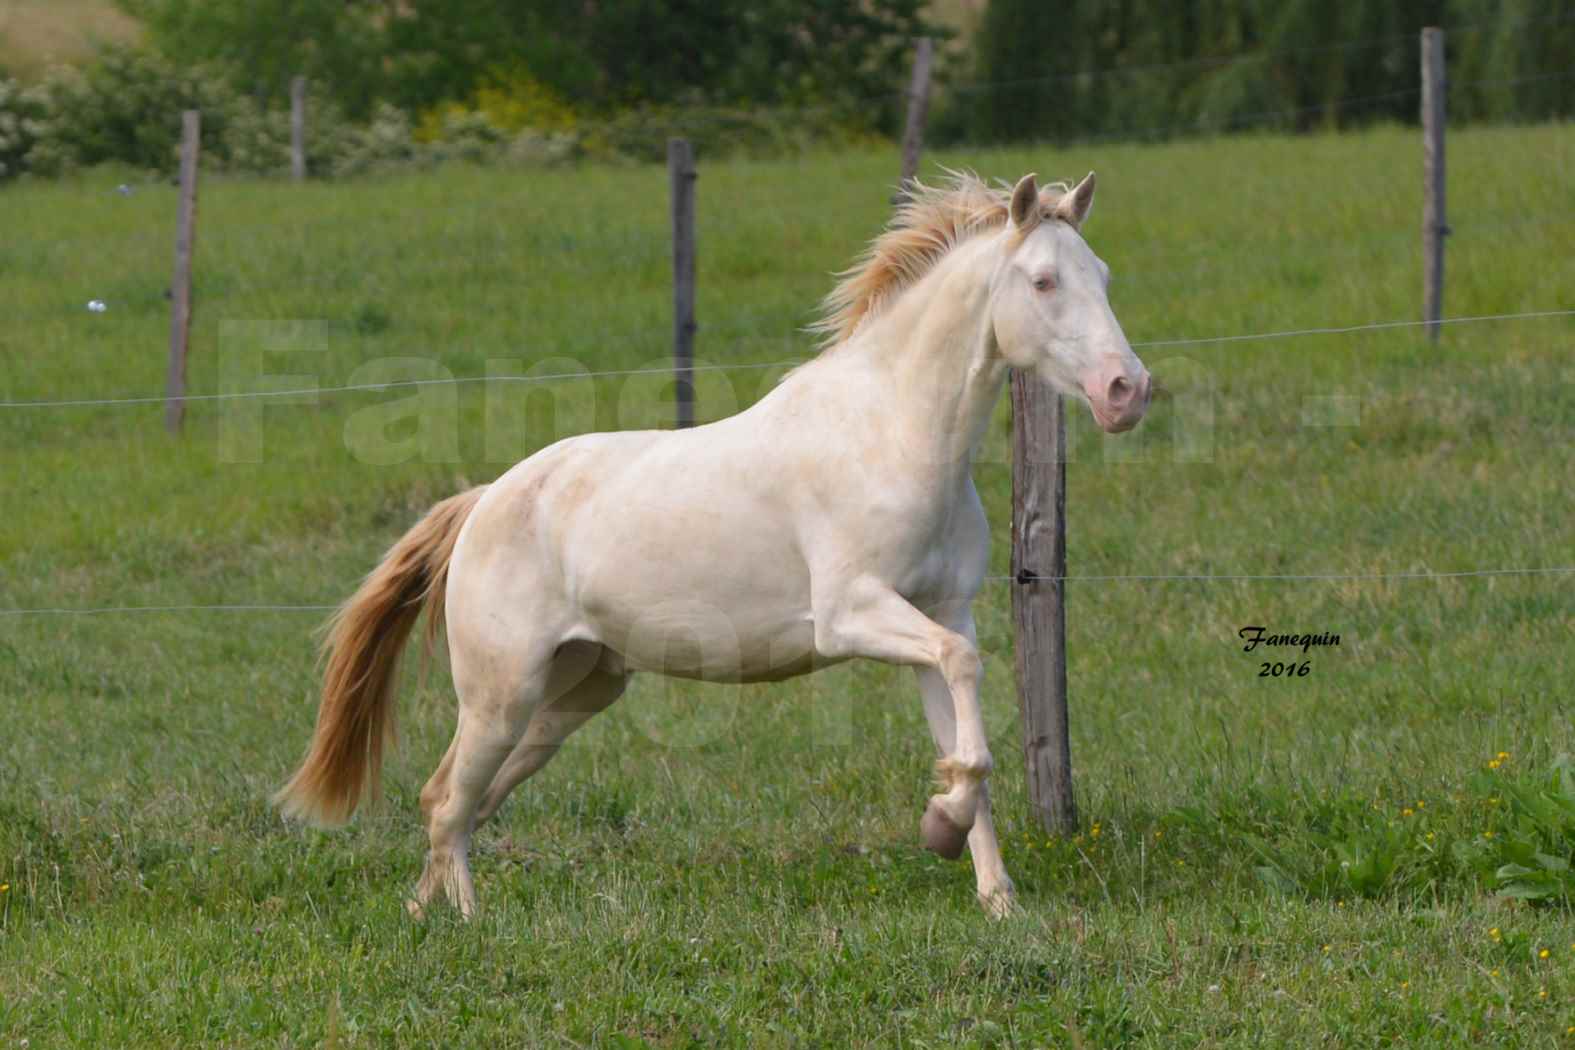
[[685, 638]]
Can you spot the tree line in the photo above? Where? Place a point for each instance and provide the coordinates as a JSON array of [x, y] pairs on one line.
[[412, 82], [1142, 68]]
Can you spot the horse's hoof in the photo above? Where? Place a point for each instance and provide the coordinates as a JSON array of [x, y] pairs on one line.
[[940, 834], [999, 904], [415, 910]]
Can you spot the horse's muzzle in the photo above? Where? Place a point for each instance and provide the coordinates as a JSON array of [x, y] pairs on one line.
[[1118, 397]]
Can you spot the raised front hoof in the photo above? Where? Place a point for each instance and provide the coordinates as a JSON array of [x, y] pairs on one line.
[[941, 834]]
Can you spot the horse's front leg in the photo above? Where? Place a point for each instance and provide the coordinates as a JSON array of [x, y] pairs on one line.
[[996, 892], [867, 618]]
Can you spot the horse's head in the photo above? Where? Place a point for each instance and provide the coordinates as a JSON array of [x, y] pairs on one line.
[[1050, 312]]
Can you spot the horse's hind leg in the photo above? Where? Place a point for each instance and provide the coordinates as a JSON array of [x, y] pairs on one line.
[[499, 692], [550, 727]]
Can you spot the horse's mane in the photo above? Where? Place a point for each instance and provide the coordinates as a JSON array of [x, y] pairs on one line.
[[928, 223]]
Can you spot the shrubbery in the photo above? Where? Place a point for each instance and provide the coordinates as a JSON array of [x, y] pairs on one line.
[[20, 113], [126, 108]]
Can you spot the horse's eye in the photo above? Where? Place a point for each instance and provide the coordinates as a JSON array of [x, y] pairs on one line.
[[1044, 283]]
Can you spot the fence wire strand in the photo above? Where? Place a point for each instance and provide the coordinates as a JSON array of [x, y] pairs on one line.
[[1022, 578], [395, 385], [1348, 329], [1377, 326]]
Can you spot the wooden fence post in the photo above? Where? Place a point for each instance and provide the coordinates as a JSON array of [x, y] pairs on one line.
[[180, 284], [681, 175], [1435, 226], [1039, 596], [918, 112], [298, 128]]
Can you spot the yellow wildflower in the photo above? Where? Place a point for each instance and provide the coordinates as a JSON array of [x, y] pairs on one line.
[[1430, 836], [1326, 949], [1407, 812], [1543, 954], [1493, 974], [1421, 804], [1404, 985], [1542, 993], [1487, 834], [1503, 756], [1094, 831], [1493, 933], [5, 887], [1494, 763]]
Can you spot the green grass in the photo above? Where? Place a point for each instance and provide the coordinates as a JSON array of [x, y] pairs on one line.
[[714, 866]]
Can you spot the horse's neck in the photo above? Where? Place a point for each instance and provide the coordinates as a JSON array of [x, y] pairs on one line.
[[936, 344]]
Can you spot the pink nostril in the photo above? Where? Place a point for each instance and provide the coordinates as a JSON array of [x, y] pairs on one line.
[[1119, 394]]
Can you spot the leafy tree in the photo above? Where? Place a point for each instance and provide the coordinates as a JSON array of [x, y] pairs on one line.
[[601, 55], [1133, 68], [264, 43]]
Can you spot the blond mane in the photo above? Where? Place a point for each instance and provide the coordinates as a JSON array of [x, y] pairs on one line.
[[929, 222]]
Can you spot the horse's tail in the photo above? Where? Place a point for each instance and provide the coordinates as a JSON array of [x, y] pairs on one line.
[[362, 649]]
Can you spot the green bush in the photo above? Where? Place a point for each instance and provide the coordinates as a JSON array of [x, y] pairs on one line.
[[384, 144], [20, 113], [126, 107], [256, 140], [641, 133], [511, 101]]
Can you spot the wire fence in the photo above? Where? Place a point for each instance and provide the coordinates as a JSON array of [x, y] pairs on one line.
[[737, 321], [1021, 578], [1122, 134], [151, 399]]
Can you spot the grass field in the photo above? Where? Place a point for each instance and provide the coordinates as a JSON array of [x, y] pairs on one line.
[[1295, 862]]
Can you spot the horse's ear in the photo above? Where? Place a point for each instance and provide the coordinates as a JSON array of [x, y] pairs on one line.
[[1075, 206], [1025, 204]]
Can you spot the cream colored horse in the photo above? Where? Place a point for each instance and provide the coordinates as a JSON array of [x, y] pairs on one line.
[[835, 518]]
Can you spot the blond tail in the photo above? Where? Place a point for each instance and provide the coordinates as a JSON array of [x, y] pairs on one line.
[[365, 638]]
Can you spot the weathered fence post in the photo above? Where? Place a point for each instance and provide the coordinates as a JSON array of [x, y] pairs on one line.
[[1039, 596], [1435, 226], [681, 174], [180, 284], [918, 112], [298, 128]]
